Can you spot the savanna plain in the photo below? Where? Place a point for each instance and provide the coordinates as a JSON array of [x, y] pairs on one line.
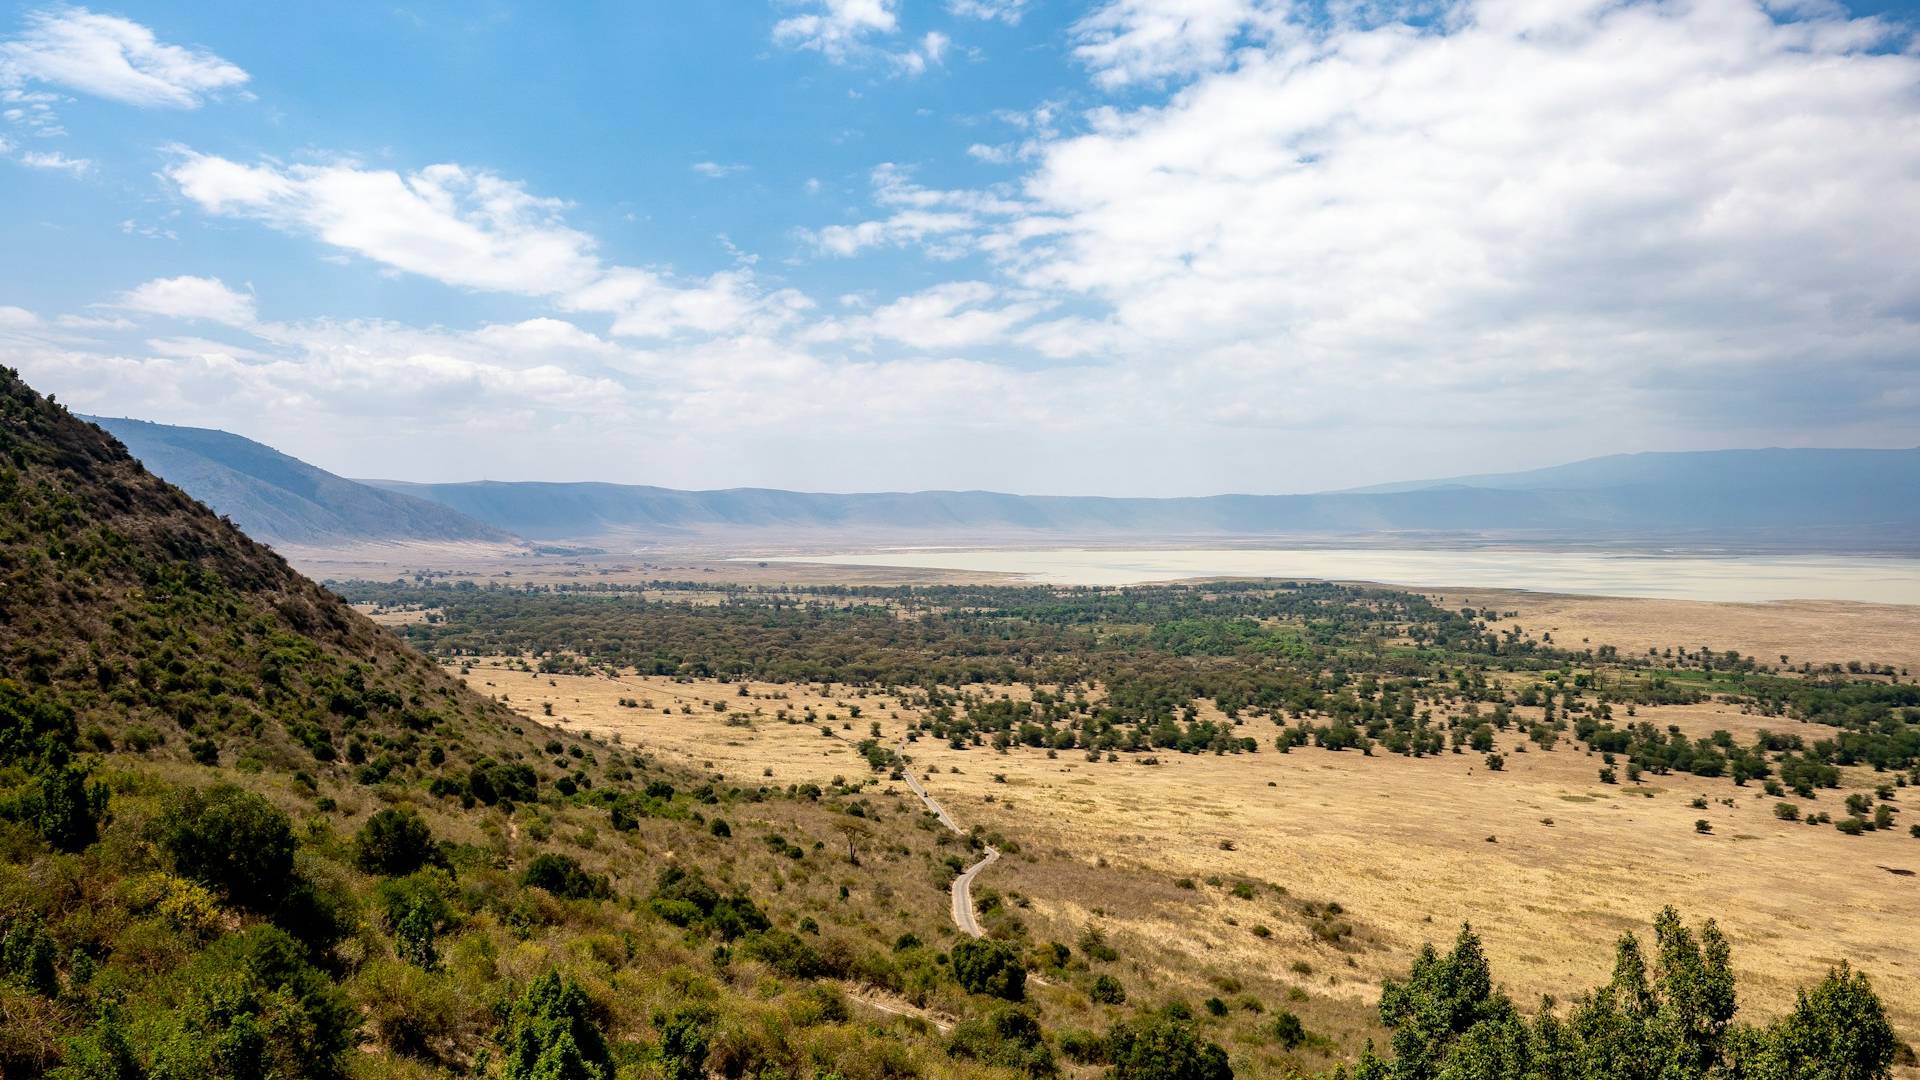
[[1264, 797]]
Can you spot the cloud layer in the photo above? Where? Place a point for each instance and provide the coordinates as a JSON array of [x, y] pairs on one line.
[[1274, 247]]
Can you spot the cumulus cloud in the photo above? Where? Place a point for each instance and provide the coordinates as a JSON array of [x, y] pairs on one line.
[[111, 57], [1529, 195], [645, 304], [718, 170], [17, 318], [190, 298], [462, 226], [471, 228]]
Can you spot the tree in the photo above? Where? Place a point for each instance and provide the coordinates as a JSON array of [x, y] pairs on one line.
[[551, 1034], [1443, 999], [1837, 1031]]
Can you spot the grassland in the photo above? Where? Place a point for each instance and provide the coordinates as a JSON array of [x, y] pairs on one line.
[[1549, 863]]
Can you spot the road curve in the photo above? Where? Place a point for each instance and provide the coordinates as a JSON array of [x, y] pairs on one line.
[[962, 885], [963, 895]]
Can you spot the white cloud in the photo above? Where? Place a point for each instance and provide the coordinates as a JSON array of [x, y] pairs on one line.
[[190, 298], [838, 28], [954, 315], [17, 318], [1129, 41], [470, 228], [1006, 11], [644, 304], [851, 31], [462, 226], [56, 162], [114, 58], [716, 170], [948, 223], [1521, 195]]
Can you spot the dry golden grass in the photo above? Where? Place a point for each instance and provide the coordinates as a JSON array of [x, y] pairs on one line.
[[1820, 631], [1402, 845]]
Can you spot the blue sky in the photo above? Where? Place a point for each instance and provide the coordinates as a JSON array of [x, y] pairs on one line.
[[1116, 246]]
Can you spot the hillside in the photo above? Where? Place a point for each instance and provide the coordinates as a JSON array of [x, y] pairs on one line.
[[278, 499], [246, 833]]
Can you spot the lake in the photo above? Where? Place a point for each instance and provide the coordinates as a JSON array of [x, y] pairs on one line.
[[1734, 578]]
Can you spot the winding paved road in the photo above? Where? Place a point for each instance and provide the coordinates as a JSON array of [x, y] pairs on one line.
[[962, 885]]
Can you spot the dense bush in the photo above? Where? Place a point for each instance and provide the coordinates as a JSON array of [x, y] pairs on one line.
[[1163, 1047], [254, 1007], [1007, 1037], [394, 843], [553, 1035], [990, 967], [684, 898], [563, 876], [232, 840]]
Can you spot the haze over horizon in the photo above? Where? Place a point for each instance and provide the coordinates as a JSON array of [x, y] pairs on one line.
[[1115, 247]]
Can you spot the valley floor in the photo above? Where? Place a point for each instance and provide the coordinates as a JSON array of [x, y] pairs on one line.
[[1349, 863]]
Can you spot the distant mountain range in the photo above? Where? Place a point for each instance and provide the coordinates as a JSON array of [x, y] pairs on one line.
[[1823, 499], [282, 500]]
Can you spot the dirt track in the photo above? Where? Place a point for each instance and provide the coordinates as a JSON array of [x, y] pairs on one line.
[[963, 885]]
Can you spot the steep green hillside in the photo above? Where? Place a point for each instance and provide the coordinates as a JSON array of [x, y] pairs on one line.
[[247, 834]]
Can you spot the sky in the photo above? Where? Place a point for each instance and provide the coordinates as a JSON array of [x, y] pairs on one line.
[[1121, 247]]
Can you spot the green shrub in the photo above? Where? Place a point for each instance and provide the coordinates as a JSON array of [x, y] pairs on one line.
[[1082, 1047], [686, 1031], [253, 1007], [563, 876], [684, 898], [394, 843], [990, 967], [786, 953], [231, 840], [1005, 1037], [102, 1052], [1164, 1047], [1287, 1029], [416, 912], [1107, 990], [27, 955], [552, 1035]]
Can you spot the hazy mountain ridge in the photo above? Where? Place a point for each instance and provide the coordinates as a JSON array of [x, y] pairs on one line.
[[1831, 499], [276, 498]]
